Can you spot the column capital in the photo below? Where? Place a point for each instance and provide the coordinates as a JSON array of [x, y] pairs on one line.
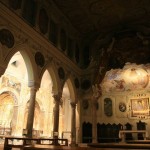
[[73, 104], [57, 97], [33, 84], [33, 88]]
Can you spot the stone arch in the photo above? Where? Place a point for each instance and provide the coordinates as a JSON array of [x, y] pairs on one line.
[[75, 99], [29, 61], [56, 88], [72, 90], [11, 93], [50, 85], [68, 96]]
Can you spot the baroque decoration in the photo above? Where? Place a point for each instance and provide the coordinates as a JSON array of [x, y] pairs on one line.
[[131, 77]]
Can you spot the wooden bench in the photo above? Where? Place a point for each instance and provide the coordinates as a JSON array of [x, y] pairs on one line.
[[20, 142]]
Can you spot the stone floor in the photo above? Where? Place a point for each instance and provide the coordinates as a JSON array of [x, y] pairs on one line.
[[104, 146], [78, 148]]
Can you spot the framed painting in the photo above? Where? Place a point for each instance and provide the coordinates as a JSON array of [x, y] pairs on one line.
[[108, 107], [140, 107]]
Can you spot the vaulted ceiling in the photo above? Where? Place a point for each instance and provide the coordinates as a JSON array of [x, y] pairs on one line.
[[98, 21]]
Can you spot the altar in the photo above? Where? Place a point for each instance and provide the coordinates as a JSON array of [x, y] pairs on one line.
[[122, 134]]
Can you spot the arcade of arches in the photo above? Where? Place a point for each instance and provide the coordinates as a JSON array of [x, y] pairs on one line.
[[16, 96], [44, 91]]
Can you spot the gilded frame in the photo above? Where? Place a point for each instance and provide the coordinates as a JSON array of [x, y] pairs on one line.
[[140, 107]]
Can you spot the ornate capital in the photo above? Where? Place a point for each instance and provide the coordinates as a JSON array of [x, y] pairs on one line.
[[73, 105]]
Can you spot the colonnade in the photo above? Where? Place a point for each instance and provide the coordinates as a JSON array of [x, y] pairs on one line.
[[57, 98]]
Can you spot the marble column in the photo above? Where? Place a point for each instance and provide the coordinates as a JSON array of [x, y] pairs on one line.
[[31, 109], [73, 124], [56, 115]]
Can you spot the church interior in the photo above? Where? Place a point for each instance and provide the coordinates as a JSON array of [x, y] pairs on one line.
[[76, 70]]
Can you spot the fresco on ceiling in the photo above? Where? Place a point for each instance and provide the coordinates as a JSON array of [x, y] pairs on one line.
[[131, 77]]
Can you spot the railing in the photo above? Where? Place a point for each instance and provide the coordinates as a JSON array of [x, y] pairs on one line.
[[123, 132], [20, 142]]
